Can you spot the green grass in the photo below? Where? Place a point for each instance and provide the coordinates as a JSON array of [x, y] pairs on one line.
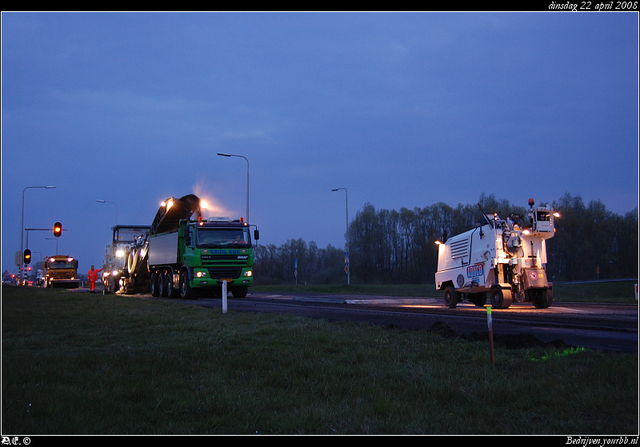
[[601, 292], [605, 292], [81, 363]]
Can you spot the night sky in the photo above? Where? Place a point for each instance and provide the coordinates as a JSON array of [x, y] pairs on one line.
[[402, 109]]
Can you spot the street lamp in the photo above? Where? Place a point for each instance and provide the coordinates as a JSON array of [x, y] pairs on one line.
[[22, 225], [240, 156], [107, 201], [348, 268]]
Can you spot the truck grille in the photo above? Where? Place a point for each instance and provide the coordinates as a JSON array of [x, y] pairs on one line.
[[225, 272], [227, 259], [62, 275]]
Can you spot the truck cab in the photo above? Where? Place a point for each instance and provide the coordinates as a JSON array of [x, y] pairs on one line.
[[219, 250]]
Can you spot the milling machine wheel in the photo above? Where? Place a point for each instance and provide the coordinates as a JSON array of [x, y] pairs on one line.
[[500, 298], [544, 300], [451, 297]]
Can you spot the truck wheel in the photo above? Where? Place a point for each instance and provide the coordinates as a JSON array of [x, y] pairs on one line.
[[185, 291], [500, 299], [172, 292], [162, 285], [451, 297], [154, 285]]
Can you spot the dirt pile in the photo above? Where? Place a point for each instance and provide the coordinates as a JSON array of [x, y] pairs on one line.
[[508, 341]]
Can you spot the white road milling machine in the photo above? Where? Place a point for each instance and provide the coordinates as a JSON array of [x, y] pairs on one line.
[[505, 259]]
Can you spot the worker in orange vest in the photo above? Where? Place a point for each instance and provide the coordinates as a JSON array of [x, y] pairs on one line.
[[92, 275]]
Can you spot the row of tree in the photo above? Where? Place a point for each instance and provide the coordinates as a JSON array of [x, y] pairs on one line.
[[277, 265], [389, 246]]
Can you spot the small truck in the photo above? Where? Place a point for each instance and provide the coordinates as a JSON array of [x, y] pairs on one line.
[[504, 259], [60, 271]]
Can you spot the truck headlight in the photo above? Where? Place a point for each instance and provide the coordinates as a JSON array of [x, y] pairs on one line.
[[248, 273], [201, 274]]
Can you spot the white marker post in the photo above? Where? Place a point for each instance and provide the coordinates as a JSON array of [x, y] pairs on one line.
[[490, 335], [224, 297]]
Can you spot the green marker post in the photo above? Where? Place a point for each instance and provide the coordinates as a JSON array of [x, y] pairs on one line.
[[490, 323]]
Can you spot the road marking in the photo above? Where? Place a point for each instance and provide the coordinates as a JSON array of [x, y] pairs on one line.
[[398, 301]]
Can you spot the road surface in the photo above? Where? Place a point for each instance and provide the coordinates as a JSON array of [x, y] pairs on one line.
[[611, 327]]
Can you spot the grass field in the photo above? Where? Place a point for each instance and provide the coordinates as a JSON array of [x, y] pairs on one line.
[[82, 363]]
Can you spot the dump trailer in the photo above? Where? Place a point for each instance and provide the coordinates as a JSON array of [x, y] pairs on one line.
[[185, 254], [117, 254], [60, 271], [504, 259]]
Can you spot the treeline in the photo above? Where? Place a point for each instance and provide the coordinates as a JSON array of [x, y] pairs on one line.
[[276, 265], [389, 246]]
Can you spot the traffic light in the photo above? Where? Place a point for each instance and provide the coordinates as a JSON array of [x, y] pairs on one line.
[[57, 229], [27, 256]]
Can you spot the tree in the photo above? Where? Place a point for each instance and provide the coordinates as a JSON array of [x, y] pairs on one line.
[[389, 246]]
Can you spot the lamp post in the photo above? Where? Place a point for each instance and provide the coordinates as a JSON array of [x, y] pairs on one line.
[[347, 267], [22, 226], [240, 156], [107, 201]]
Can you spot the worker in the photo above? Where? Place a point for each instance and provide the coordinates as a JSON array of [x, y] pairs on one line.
[[92, 275]]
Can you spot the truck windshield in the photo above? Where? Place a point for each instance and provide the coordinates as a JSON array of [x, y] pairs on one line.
[[207, 238], [62, 265], [129, 235], [543, 216]]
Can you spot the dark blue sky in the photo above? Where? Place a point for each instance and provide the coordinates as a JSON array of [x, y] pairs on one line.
[[403, 109]]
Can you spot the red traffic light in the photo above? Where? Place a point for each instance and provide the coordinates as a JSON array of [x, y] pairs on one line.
[[57, 229]]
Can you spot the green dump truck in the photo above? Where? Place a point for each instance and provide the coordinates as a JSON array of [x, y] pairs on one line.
[[187, 255]]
